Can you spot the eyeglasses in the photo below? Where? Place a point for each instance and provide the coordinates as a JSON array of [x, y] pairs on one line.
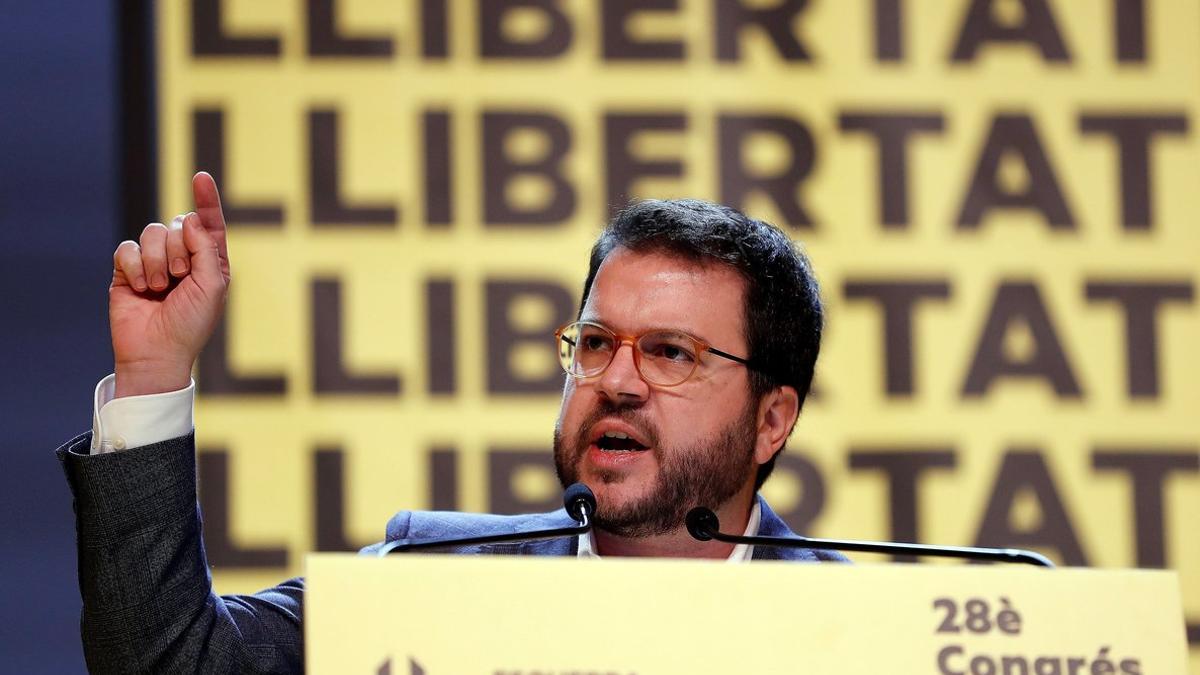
[[663, 357]]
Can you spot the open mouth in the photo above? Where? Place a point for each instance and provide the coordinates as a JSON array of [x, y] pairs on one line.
[[616, 441]]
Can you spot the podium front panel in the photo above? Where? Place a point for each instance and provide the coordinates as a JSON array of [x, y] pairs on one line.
[[456, 615]]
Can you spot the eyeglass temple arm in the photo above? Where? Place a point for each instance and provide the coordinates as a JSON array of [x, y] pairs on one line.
[[731, 357]]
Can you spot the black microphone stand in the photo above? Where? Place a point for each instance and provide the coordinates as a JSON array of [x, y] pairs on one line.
[[578, 500], [704, 525]]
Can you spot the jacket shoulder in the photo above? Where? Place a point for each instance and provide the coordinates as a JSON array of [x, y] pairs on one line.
[[432, 525], [771, 525]]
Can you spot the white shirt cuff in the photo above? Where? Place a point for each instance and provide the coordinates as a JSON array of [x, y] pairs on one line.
[[134, 421]]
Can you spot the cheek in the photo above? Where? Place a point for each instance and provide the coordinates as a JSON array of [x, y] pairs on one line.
[[692, 423], [568, 393], [573, 403], [681, 425]]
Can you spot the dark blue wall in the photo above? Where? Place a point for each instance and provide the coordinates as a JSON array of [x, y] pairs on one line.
[[58, 225]]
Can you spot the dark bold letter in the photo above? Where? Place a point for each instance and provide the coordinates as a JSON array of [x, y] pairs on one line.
[[329, 504], [1019, 301], [889, 31], [1037, 27], [493, 43], [209, 40], [440, 335], [737, 182], [1147, 472], [1015, 134], [208, 151], [443, 479], [506, 339], [897, 299], [1129, 24], [812, 490], [1140, 302], [619, 45], [502, 493], [499, 169], [1133, 134], [324, 39], [622, 167], [1026, 470], [439, 174], [731, 17], [903, 468], [330, 375], [891, 132], [214, 376], [212, 469], [435, 21], [328, 206]]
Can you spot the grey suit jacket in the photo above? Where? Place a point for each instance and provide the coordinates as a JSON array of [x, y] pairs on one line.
[[148, 604]]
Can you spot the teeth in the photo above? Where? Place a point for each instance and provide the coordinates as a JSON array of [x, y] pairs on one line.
[[616, 434]]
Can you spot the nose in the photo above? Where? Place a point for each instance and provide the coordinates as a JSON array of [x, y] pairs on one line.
[[621, 382]]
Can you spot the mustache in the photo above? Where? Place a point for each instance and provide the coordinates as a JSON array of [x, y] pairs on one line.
[[606, 410]]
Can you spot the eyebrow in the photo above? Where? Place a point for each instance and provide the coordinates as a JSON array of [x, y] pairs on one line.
[[676, 329]]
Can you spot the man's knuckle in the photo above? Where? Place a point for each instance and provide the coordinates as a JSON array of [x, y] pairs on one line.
[[153, 231], [124, 251]]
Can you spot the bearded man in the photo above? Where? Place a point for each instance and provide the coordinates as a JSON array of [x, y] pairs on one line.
[[686, 369]]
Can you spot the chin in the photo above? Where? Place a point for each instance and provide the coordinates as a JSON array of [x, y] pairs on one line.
[[616, 491]]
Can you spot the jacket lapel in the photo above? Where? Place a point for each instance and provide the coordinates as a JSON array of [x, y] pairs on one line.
[[771, 525]]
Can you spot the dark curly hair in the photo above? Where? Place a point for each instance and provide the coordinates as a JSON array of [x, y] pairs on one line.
[[783, 313]]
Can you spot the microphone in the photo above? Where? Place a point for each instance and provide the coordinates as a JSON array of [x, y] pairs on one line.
[[578, 500], [704, 525]]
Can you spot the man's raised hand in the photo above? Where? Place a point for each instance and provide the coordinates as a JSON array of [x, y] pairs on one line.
[[167, 294]]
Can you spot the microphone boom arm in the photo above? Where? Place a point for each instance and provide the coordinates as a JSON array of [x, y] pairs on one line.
[[703, 525]]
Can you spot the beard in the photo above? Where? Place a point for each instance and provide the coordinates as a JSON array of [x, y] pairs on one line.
[[706, 473]]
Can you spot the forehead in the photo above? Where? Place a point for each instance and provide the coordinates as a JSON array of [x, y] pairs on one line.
[[638, 291]]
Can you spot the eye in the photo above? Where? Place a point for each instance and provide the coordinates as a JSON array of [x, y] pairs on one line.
[[669, 350], [594, 343]]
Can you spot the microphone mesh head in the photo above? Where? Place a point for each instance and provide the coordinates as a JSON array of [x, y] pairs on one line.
[[701, 523], [577, 499]]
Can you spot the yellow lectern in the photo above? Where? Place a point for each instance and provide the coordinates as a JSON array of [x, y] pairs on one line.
[[459, 615]]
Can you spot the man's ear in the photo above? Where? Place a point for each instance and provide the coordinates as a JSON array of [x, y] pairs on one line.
[[777, 413]]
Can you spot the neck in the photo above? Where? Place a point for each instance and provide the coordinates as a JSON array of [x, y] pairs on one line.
[[734, 515]]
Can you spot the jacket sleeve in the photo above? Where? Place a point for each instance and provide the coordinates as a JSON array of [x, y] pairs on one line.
[[148, 603]]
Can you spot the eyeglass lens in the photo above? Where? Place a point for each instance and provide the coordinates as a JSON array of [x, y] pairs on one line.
[[665, 357]]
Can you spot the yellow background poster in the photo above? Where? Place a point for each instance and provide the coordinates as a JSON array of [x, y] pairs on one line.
[[1000, 199]]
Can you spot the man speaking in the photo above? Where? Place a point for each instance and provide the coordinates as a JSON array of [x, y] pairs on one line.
[[686, 369]]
